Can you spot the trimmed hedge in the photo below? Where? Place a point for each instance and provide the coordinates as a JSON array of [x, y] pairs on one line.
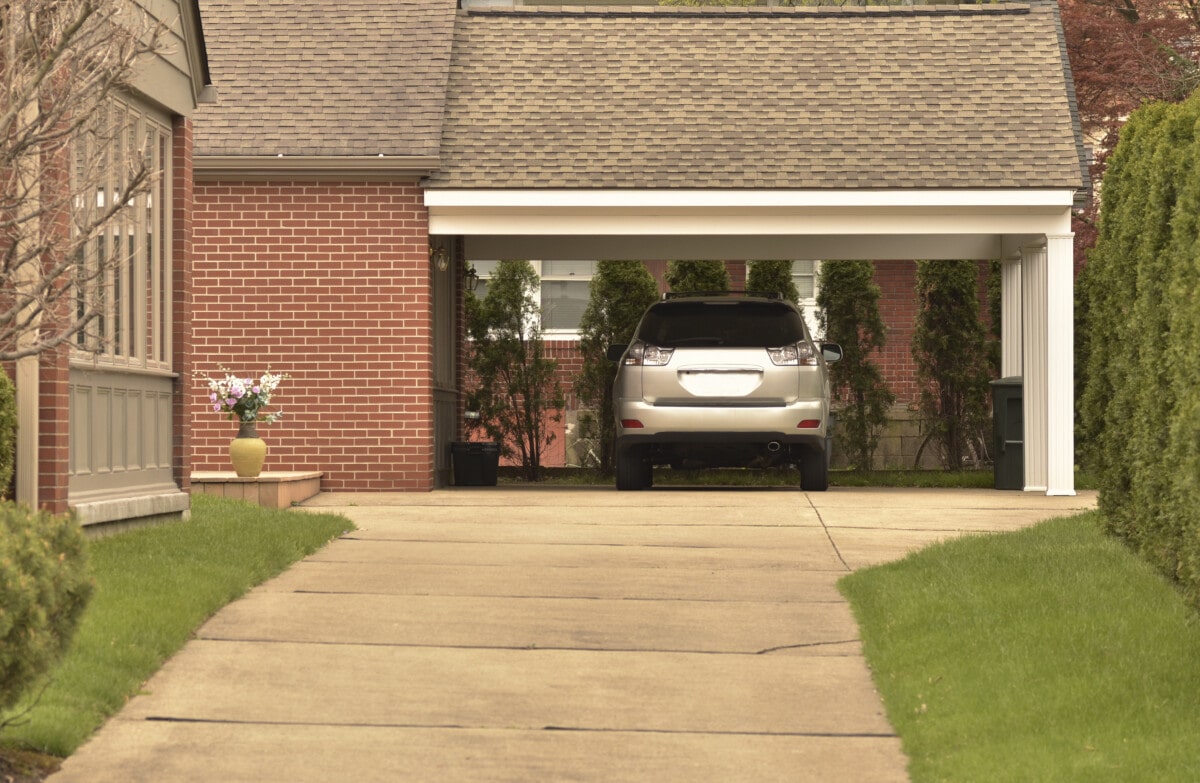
[[44, 587], [1140, 390]]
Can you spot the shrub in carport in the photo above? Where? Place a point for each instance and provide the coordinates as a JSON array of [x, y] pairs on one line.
[[697, 276], [515, 390], [619, 294], [848, 300], [950, 350], [773, 277]]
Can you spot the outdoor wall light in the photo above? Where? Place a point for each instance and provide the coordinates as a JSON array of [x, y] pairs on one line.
[[470, 275], [439, 256]]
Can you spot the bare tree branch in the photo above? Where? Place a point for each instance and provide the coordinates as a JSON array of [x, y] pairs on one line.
[[71, 169]]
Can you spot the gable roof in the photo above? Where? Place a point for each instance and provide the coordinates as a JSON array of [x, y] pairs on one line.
[[317, 78], [943, 96]]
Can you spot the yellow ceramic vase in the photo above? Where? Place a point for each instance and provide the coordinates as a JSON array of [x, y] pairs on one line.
[[247, 451]]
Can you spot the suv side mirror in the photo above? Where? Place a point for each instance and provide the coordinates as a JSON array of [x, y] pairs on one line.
[[615, 352], [831, 351]]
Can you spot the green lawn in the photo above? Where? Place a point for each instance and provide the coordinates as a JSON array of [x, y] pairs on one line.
[[1050, 654], [154, 587]]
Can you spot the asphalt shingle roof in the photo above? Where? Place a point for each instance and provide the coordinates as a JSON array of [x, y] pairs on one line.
[[314, 77], [869, 97]]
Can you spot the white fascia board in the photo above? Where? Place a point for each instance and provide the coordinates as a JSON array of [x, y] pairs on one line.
[[747, 212], [744, 199]]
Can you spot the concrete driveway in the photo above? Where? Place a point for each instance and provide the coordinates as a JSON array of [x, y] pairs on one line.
[[551, 634]]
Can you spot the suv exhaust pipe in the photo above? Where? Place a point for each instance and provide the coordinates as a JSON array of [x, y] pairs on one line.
[[774, 446]]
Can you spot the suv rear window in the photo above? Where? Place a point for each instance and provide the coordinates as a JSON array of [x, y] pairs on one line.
[[728, 324]]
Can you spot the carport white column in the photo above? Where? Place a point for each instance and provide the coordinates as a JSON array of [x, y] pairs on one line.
[[1010, 317], [1049, 367], [1060, 279], [1034, 323]]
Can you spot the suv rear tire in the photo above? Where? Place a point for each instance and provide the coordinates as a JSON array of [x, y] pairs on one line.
[[633, 470], [814, 474]]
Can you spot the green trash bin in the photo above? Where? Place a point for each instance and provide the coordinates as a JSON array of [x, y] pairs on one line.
[[1008, 433], [475, 463]]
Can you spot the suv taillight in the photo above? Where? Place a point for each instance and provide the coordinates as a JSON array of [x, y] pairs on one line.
[[795, 355], [647, 355]]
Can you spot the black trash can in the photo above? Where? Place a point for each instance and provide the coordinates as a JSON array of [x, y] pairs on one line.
[[1008, 433], [475, 463]]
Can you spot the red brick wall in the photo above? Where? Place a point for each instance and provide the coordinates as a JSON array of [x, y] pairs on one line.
[[54, 438], [898, 307], [329, 283], [54, 397]]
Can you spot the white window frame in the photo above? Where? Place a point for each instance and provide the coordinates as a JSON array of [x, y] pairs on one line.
[[135, 328], [810, 303]]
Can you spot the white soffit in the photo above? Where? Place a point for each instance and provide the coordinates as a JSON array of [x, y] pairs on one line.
[[747, 212]]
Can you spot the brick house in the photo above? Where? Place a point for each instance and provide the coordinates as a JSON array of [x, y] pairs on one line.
[[360, 155], [102, 421]]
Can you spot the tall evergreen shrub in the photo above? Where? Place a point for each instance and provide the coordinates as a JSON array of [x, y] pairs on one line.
[[996, 315], [697, 276], [1141, 404], [619, 294], [1109, 285], [950, 351], [515, 391], [848, 299], [1180, 504], [773, 277]]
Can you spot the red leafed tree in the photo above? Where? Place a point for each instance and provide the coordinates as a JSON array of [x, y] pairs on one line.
[[1123, 53]]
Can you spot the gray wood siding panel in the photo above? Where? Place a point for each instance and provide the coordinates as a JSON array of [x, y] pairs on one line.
[[120, 431]]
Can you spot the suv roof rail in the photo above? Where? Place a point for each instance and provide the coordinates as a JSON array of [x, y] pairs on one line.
[[683, 294]]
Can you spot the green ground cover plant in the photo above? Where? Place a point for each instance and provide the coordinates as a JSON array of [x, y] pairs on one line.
[[1052, 653], [154, 587]]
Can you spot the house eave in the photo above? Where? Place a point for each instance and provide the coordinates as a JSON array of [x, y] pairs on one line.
[[750, 198], [316, 167], [747, 212]]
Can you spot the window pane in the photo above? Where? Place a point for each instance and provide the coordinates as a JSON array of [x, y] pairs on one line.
[[804, 276], [485, 268], [563, 303], [568, 268]]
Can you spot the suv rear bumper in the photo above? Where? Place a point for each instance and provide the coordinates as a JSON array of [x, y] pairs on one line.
[[720, 439], [713, 422]]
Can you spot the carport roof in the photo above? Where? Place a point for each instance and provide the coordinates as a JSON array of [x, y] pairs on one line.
[[938, 96]]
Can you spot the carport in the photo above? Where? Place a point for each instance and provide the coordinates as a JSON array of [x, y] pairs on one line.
[[905, 132]]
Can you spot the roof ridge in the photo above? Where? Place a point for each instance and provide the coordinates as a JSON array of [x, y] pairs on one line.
[[926, 9]]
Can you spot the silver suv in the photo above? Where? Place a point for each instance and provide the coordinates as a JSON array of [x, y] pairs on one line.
[[722, 381]]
